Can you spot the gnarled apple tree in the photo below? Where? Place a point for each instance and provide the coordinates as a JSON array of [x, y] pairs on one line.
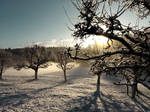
[[34, 58], [104, 18]]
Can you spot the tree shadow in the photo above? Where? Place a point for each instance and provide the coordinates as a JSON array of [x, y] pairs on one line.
[[4, 80], [18, 98], [142, 101], [142, 94], [102, 102], [141, 105], [47, 88], [5, 85], [31, 80], [13, 100]]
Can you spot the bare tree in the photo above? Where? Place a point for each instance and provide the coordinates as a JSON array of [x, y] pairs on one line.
[[97, 17], [5, 61], [64, 63], [34, 58], [97, 69]]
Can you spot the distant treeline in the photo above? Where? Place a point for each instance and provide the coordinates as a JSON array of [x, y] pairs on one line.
[[19, 52]]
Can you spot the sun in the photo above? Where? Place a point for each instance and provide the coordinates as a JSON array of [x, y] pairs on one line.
[[102, 40], [92, 40]]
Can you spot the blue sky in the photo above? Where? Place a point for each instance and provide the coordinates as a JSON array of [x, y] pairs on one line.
[[23, 22]]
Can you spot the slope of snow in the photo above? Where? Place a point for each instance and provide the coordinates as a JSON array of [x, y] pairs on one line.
[[19, 93]]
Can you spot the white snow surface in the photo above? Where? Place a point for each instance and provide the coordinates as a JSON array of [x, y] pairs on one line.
[[20, 93]]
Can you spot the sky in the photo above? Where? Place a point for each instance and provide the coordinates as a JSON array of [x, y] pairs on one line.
[[24, 22]]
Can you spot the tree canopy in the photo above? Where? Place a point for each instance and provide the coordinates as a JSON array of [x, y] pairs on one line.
[[98, 17]]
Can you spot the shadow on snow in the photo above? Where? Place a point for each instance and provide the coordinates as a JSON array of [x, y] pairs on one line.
[[106, 102]]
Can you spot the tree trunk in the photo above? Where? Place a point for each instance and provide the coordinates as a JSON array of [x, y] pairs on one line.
[[65, 77], [1, 72], [134, 86], [1, 75], [36, 73], [98, 81], [134, 90], [127, 86], [127, 90]]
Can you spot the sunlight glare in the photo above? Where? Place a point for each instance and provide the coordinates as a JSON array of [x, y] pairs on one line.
[[100, 40]]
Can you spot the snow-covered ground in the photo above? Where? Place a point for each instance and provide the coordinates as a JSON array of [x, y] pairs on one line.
[[19, 93]]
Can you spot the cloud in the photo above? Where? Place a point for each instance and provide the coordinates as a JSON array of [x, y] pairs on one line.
[[67, 42]]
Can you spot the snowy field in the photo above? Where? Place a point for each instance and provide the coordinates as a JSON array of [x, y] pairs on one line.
[[20, 93]]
